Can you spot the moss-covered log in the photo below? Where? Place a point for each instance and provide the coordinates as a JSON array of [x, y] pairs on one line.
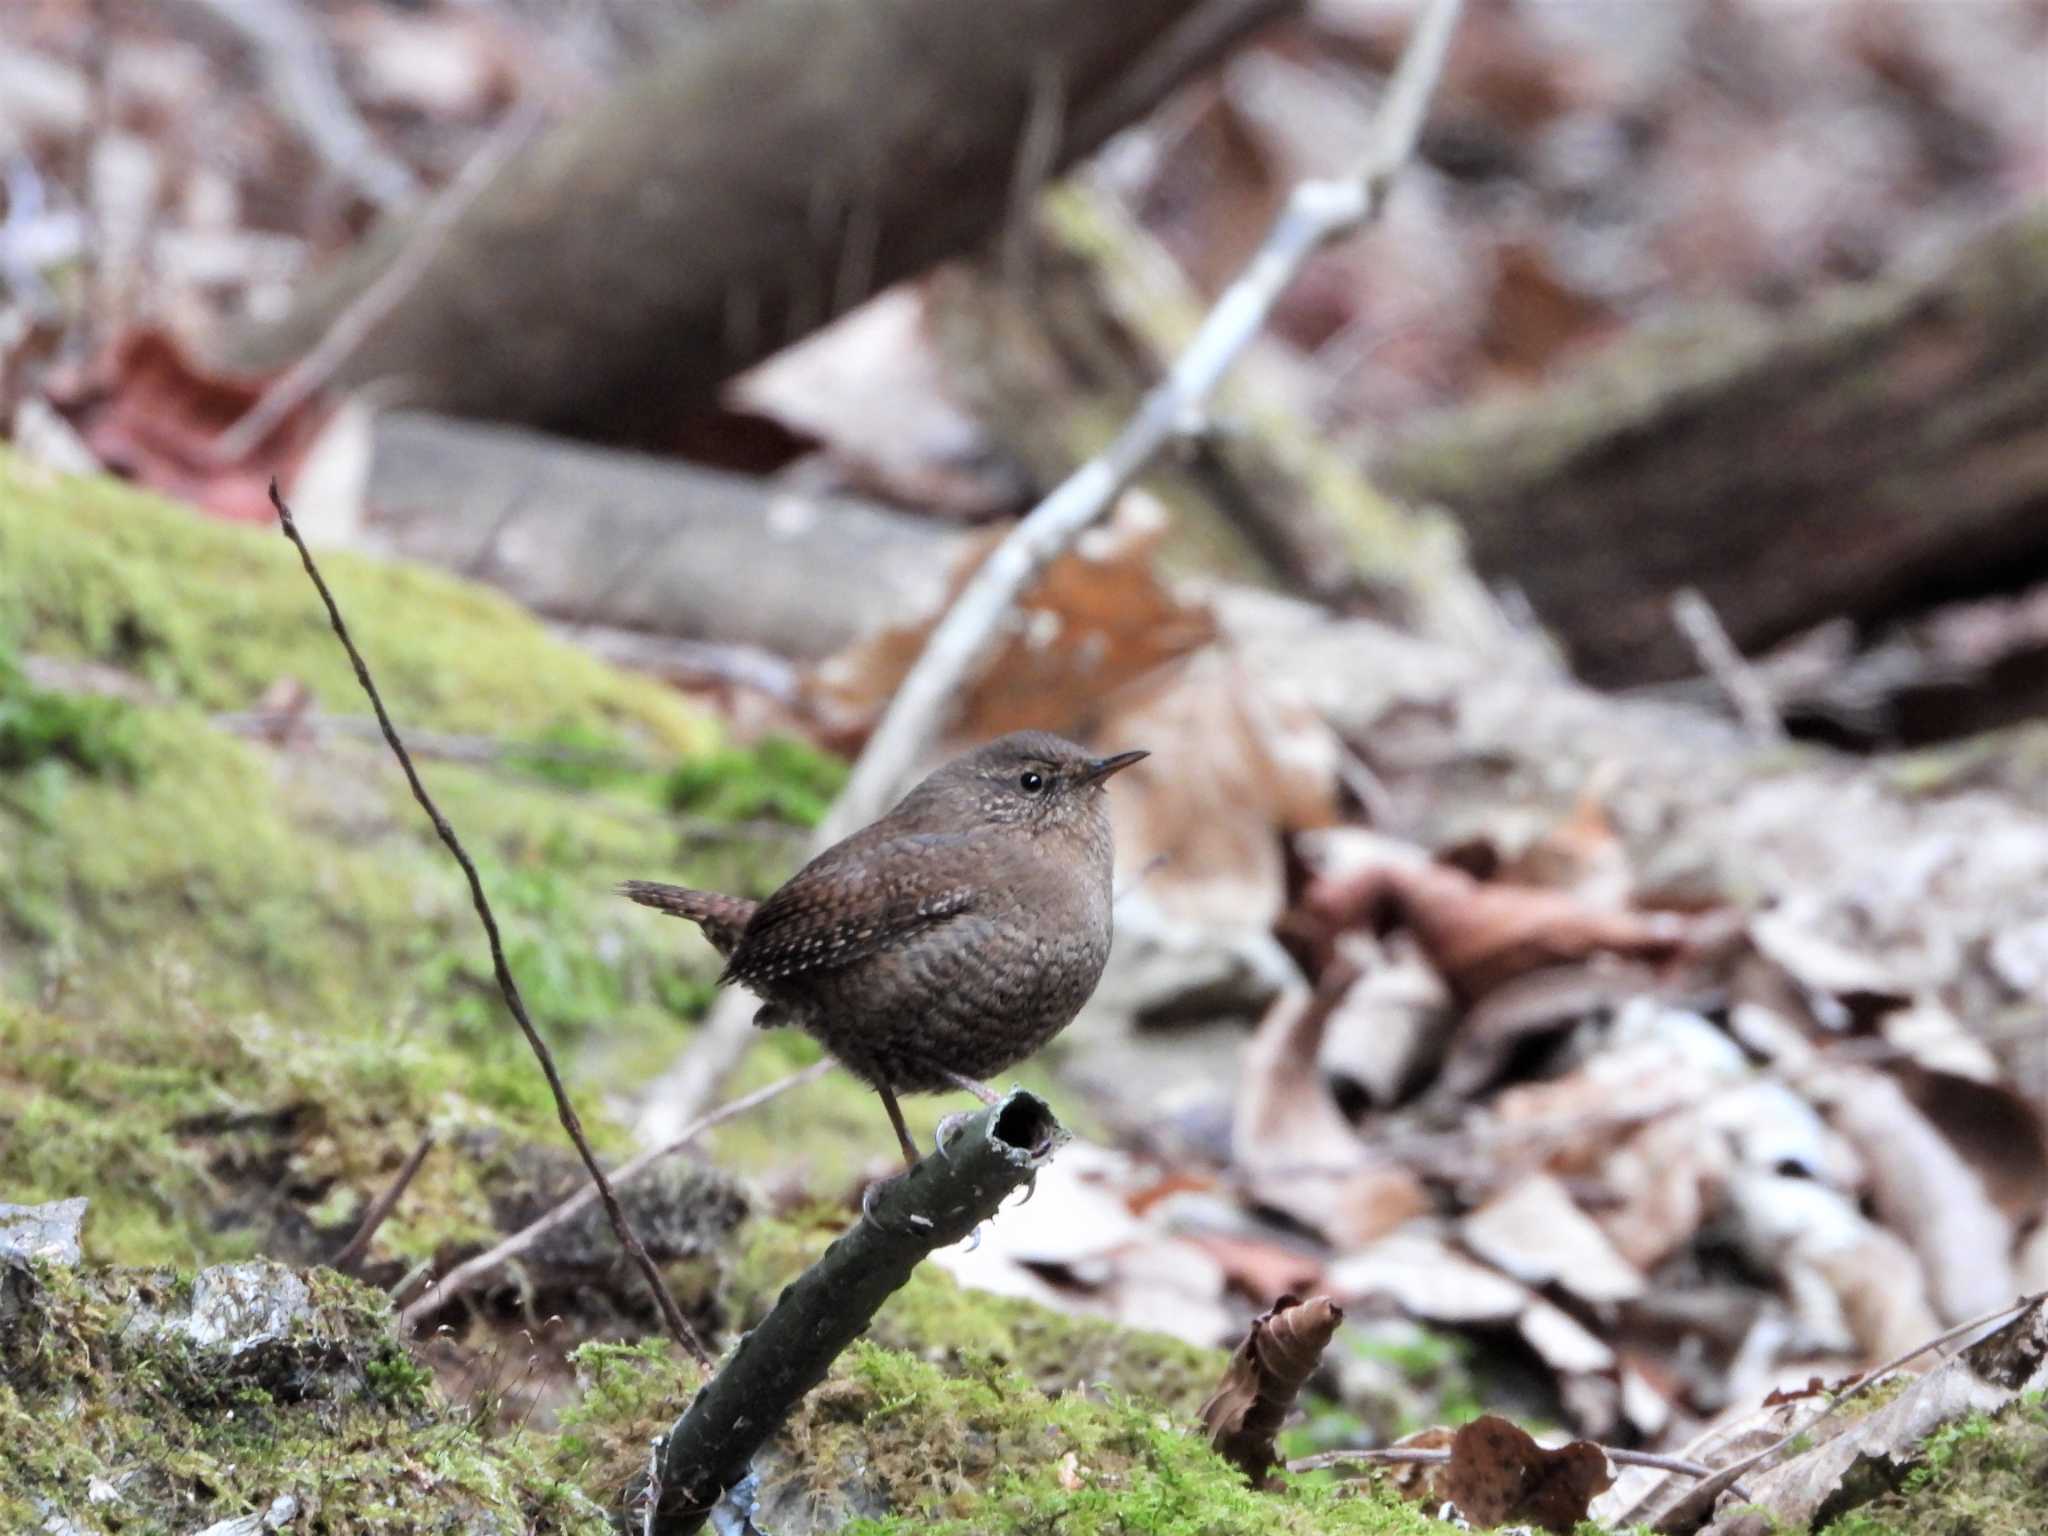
[[1878, 449]]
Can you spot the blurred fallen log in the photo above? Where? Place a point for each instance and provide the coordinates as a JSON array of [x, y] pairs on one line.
[[776, 166], [594, 536], [1877, 450]]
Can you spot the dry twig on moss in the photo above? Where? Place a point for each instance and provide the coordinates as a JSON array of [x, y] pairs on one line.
[[357, 1246], [671, 1314], [466, 1274], [1687, 1514]]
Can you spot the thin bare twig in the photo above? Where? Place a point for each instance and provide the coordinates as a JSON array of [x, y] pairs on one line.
[[370, 307], [465, 1275], [1700, 1500], [353, 1250], [671, 1314], [1743, 686], [1425, 1456], [1316, 213]]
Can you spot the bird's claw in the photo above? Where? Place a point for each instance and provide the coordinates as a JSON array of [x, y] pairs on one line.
[[917, 1224], [1030, 1189], [948, 1131]]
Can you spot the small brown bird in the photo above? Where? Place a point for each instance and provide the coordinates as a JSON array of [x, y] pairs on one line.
[[947, 941]]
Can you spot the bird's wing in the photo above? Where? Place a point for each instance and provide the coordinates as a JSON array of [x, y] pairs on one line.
[[853, 902]]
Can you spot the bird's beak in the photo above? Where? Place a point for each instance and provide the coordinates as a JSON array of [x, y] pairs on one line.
[[1103, 767]]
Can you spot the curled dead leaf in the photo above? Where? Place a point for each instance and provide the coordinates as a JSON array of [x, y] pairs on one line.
[[1499, 1473], [1295, 1150], [1265, 1375], [1481, 935], [148, 410]]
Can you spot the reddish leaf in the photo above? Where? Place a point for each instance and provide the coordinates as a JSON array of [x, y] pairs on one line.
[[1498, 1473], [149, 412]]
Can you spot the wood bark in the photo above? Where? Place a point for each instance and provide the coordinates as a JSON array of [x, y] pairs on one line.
[[595, 536], [1871, 454], [783, 162]]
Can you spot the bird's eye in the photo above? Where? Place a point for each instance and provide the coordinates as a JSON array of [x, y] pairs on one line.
[[1032, 783]]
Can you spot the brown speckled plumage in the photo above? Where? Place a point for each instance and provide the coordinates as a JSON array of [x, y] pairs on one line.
[[949, 940]]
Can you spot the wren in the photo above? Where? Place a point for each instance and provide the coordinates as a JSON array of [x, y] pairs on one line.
[[949, 940]]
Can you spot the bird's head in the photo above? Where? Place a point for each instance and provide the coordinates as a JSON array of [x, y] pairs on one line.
[[1028, 779]]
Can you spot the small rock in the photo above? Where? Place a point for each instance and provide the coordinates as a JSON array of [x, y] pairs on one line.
[[45, 1232], [283, 1510], [240, 1307]]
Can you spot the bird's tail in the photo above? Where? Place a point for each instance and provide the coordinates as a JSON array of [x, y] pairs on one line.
[[722, 918]]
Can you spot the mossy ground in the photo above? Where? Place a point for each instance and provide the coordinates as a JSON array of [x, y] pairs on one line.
[[893, 1444], [956, 1330], [119, 1429], [238, 982], [1985, 1475]]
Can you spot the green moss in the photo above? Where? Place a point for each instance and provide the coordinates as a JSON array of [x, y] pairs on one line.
[[626, 1395], [38, 726], [120, 1421], [937, 1320], [985, 1454], [213, 614], [1984, 1475], [775, 777], [238, 984]]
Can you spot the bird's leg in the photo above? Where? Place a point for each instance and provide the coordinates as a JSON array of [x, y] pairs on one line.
[[910, 1157], [903, 1138], [952, 1123], [981, 1091]]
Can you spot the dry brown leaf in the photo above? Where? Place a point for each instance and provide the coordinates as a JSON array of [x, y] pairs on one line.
[[1923, 1189], [1259, 1269], [1665, 1177], [1482, 935], [1994, 1129], [1098, 619], [1814, 1387], [1296, 1151], [1529, 1007], [1428, 1279], [1582, 855], [1499, 1473], [148, 411], [1852, 1283], [1422, 1481], [1232, 772], [1265, 1375], [1387, 1033], [873, 390], [1536, 1232]]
